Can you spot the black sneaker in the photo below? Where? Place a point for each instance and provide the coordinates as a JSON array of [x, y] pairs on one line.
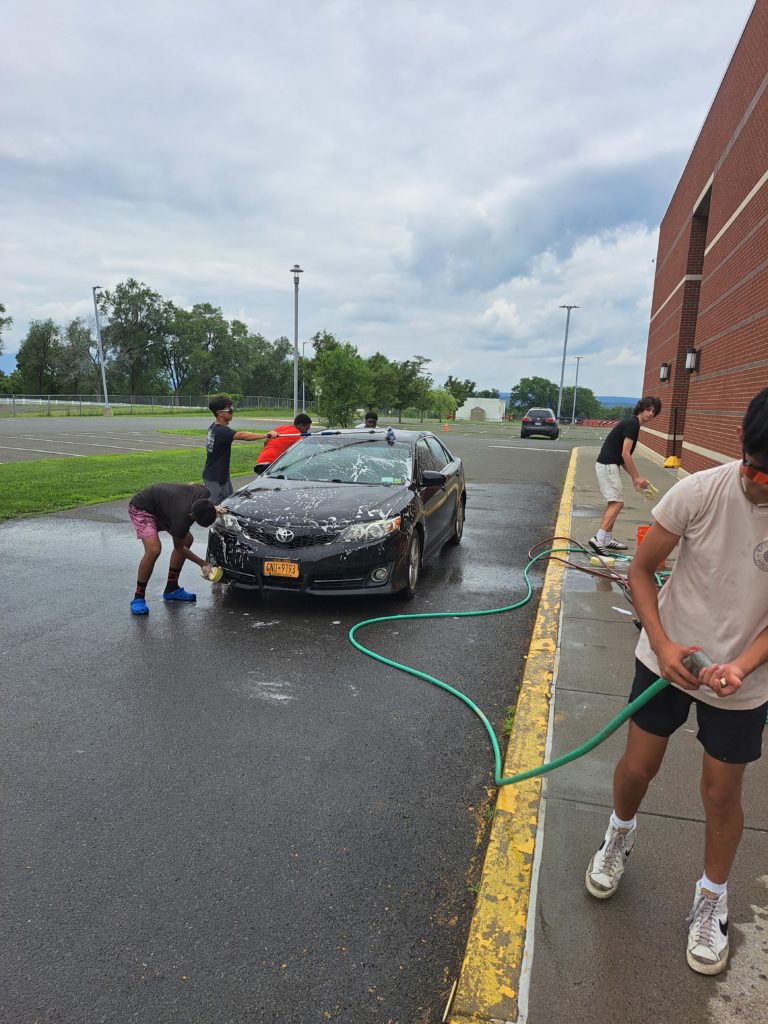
[[598, 548]]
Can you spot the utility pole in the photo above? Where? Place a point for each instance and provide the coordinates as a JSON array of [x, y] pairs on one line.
[[575, 388], [562, 368], [107, 410], [296, 270]]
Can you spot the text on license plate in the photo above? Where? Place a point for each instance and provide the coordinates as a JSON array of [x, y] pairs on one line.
[[290, 569]]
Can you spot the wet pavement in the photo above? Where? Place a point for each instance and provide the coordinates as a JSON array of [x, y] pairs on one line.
[[222, 812]]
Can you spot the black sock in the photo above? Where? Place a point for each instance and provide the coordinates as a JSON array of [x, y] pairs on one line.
[[141, 588], [173, 581]]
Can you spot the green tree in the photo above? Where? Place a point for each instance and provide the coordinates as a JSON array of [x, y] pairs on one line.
[[587, 406], [139, 319], [532, 391], [39, 358], [488, 393], [342, 381], [383, 392], [412, 384], [5, 322], [460, 389], [442, 402], [78, 370]]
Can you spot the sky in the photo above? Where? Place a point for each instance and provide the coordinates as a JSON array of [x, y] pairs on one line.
[[446, 174]]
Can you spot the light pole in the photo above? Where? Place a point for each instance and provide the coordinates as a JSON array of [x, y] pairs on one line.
[[296, 270], [303, 379], [575, 389], [562, 368], [107, 410]]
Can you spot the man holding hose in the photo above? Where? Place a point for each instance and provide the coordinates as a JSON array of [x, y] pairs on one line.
[[716, 598]]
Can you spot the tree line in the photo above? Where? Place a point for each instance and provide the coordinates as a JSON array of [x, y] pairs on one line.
[[154, 347]]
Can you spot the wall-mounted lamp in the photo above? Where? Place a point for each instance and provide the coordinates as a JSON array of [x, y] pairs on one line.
[[664, 371], [692, 360]]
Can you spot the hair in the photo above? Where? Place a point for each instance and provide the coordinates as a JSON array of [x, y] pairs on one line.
[[302, 420], [755, 425], [372, 416], [649, 402], [219, 402], [203, 511]]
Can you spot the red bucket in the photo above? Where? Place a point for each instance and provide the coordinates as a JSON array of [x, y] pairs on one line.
[[641, 532]]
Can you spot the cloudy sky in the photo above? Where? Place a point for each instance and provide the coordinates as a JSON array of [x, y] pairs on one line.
[[447, 174]]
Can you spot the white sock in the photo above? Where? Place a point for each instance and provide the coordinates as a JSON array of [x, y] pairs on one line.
[[715, 887], [618, 823], [601, 536]]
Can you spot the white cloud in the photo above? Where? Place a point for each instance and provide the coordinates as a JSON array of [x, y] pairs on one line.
[[446, 174]]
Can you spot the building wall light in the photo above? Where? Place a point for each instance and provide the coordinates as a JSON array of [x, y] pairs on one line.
[[664, 371], [692, 360]]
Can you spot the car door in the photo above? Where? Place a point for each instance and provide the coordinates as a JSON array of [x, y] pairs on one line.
[[445, 463], [432, 497]]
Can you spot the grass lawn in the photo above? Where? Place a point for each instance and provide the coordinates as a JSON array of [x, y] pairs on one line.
[[49, 485]]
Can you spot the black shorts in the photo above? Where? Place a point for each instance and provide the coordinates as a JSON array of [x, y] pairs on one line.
[[734, 737]]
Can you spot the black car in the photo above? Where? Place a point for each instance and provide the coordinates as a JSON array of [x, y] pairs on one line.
[[344, 511], [540, 421]]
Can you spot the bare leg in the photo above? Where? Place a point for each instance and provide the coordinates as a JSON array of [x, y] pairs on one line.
[[152, 549], [721, 795], [610, 515], [641, 761]]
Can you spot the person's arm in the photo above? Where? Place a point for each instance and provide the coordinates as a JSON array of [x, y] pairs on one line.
[[726, 679], [639, 482], [246, 435], [178, 543], [656, 546]]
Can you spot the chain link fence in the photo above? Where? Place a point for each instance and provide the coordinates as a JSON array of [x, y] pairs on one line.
[[85, 405]]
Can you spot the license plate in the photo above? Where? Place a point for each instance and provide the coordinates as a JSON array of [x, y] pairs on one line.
[[289, 569]]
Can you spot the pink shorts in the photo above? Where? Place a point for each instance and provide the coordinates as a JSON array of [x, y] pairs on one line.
[[144, 523]]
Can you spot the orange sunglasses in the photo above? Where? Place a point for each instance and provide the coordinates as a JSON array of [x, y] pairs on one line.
[[757, 474]]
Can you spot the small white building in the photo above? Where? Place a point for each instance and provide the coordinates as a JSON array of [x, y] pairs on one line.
[[482, 409]]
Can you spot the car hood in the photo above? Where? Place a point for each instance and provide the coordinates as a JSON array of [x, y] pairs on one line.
[[303, 502]]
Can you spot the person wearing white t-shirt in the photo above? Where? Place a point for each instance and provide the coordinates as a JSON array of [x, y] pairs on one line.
[[716, 598]]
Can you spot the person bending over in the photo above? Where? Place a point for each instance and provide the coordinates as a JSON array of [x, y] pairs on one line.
[[173, 508]]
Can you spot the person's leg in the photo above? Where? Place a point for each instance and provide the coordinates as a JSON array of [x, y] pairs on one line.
[[638, 766], [173, 590], [610, 516], [152, 549], [721, 795]]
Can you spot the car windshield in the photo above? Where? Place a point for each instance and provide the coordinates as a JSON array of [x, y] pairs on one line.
[[369, 461], [544, 413]]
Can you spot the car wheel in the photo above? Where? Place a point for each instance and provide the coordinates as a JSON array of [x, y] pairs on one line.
[[458, 522], [524, 436], [413, 567], [555, 436]]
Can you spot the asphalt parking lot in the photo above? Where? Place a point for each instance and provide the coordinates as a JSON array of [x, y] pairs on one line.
[[223, 812]]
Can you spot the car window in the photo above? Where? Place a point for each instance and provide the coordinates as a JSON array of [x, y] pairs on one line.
[[540, 412], [439, 453], [359, 462], [424, 457]]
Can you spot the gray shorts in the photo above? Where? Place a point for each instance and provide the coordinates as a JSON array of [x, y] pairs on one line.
[[218, 491], [609, 482]]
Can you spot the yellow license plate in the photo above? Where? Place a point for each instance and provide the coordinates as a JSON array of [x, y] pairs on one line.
[[289, 569]]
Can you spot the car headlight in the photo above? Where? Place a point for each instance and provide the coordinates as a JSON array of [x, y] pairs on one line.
[[227, 523], [371, 531]]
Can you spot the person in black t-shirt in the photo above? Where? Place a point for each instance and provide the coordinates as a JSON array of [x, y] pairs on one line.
[[219, 448], [616, 454], [170, 507]]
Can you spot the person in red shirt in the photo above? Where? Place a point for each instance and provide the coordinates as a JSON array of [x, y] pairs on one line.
[[282, 439]]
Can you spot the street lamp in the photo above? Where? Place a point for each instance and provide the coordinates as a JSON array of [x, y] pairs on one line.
[[107, 410], [575, 389], [303, 379], [562, 368], [296, 270]]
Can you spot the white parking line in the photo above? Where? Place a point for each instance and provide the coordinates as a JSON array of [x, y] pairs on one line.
[[85, 444], [44, 451], [94, 444], [527, 448]]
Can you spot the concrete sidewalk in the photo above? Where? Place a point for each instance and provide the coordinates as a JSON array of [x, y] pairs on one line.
[[541, 950]]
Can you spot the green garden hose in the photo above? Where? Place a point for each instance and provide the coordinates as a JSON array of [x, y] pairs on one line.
[[541, 769]]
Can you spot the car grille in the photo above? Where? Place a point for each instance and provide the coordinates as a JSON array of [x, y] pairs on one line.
[[267, 534]]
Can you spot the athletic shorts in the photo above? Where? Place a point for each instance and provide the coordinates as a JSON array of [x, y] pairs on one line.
[[144, 523], [734, 737], [609, 482], [218, 491]]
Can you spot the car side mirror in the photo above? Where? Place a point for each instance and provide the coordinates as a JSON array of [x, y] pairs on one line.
[[432, 478], [259, 469]]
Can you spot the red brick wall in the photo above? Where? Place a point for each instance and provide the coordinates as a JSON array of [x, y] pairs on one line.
[[725, 313]]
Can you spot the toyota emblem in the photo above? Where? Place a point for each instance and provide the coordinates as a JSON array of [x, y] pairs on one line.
[[284, 535]]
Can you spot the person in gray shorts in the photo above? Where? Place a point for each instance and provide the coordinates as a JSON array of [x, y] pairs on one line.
[[218, 448], [615, 455]]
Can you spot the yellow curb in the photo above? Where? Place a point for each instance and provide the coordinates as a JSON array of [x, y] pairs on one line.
[[490, 973]]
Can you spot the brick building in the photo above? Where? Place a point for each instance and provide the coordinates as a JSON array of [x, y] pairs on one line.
[[708, 337]]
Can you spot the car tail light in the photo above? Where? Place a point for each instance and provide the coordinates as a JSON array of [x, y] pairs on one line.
[[527, 419], [550, 420]]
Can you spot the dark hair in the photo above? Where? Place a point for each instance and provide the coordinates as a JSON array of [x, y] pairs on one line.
[[220, 402], [755, 425], [649, 402], [203, 511], [372, 416], [302, 420]]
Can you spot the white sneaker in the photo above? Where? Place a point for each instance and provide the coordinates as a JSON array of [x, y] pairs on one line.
[[607, 866], [614, 545], [708, 933]]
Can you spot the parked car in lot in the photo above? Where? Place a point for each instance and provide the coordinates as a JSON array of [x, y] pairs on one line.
[[345, 512], [541, 422]]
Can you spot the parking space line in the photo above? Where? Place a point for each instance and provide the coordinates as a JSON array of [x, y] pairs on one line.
[[88, 444], [525, 447], [44, 451]]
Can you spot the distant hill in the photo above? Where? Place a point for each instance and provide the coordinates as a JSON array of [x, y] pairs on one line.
[[610, 400]]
